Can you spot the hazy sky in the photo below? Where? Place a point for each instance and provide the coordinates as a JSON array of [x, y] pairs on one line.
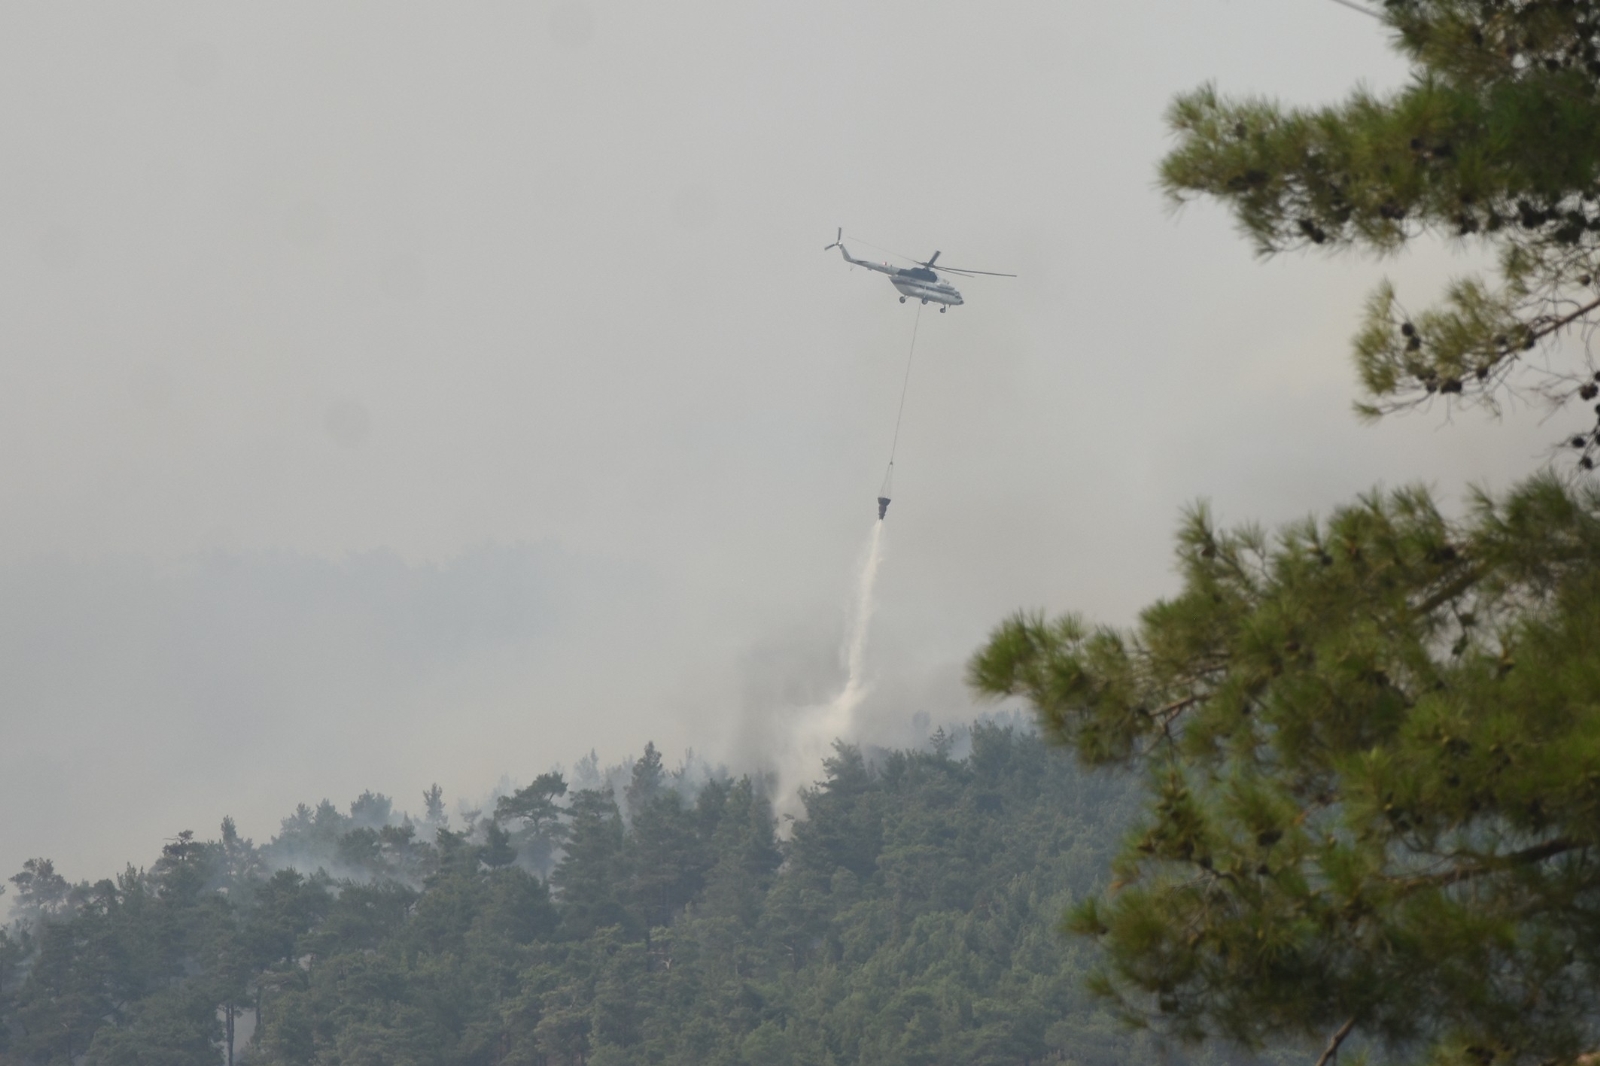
[[397, 392]]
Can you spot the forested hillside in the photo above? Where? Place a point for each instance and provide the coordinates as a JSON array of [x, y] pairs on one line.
[[910, 917]]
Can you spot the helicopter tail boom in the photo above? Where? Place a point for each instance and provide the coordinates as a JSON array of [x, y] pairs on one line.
[[838, 242]]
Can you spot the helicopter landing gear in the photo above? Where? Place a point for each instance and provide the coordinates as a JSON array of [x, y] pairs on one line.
[[943, 309], [924, 299], [902, 299]]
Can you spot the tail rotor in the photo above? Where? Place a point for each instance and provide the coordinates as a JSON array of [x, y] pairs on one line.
[[838, 241]]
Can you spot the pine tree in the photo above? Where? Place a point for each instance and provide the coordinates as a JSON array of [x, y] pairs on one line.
[[1374, 752], [1494, 144], [746, 854], [591, 876], [649, 776], [1372, 743], [540, 832], [433, 804], [41, 894]]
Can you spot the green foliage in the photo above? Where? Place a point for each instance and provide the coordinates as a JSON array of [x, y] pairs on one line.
[[909, 921], [1494, 143], [1372, 744], [592, 873], [171, 1028], [539, 831], [1373, 748]]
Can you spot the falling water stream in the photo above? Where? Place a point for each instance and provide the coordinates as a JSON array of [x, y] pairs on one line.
[[855, 648], [817, 727]]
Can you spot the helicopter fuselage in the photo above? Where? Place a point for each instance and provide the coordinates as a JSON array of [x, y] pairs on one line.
[[918, 283], [930, 289]]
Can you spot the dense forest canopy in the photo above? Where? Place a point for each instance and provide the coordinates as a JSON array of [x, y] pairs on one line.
[[909, 917]]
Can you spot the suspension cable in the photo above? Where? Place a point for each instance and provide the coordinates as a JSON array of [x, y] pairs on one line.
[[900, 413]]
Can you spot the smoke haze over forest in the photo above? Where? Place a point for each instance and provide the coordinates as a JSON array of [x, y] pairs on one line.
[[399, 394]]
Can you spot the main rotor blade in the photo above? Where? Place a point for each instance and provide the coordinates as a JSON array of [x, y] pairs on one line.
[[932, 261], [990, 273], [886, 251]]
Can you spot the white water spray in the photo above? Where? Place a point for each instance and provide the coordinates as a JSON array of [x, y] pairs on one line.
[[816, 728], [855, 648]]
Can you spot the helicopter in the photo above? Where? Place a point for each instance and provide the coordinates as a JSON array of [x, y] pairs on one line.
[[919, 281]]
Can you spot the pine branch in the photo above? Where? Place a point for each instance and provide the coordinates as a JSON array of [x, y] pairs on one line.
[[1367, 11], [1164, 716], [1565, 320], [1333, 1044], [1452, 590], [1527, 856]]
